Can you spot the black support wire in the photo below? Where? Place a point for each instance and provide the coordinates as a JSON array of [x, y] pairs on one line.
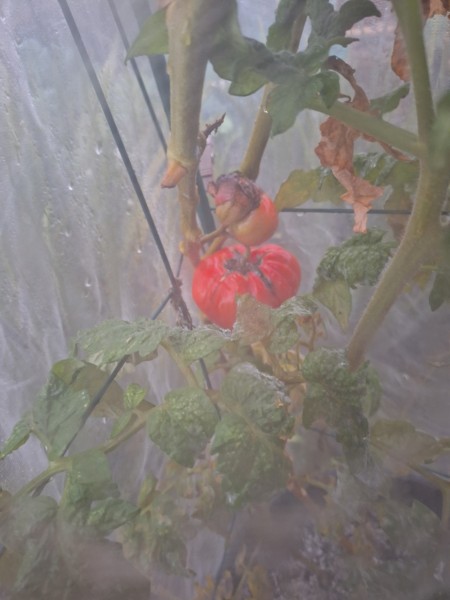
[[138, 75], [116, 135]]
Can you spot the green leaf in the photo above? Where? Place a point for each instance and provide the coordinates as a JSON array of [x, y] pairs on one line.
[[298, 188], [327, 24], [285, 333], [352, 12], [440, 292], [154, 537], [109, 514], [330, 89], [390, 101], [336, 394], [335, 295], [358, 261], [152, 38], [134, 395], [183, 424], [285, 102], [440, 134], [79, 375], [403, 442], [58, 415], [279, 35], [88, 481], [258, 398], [252, 463], [121, 423], [112, 340], [19, 436], [26, 516], [199, 342]]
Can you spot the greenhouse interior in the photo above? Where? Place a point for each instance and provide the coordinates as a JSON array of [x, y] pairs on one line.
[[225, 291]]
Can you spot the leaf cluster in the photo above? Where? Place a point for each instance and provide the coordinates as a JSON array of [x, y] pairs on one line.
[[300, 77], [343, 399], [357, 261]]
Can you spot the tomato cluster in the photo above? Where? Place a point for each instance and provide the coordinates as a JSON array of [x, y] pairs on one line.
[[269, 273]]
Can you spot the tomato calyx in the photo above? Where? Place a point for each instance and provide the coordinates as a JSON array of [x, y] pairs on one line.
[[240, 263], [235, 197]]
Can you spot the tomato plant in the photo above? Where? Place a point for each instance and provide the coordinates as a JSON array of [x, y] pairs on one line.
[[269, 273]]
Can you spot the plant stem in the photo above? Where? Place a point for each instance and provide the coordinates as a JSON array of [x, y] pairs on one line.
[[410, 20], [263, 123], [64, 464], [184, 368], [375, 127], [421, 243], [423, 238]]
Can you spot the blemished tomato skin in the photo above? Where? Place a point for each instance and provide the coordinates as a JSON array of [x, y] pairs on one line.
[[270, 274], [258, 226]]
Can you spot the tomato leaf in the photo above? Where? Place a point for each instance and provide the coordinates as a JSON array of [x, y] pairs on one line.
[[335, 295], [337, 395], [390, 101], [25, 517], [330, 89], [358, 261], [327, 23], [440, 134], [440, 292], [121, 423], [79, 375], [285, 102], [153, 537], [257, 397], [199, 342], [113, 339], [252, 463], [401, 441], [298, 188], [285, 321], [183, 424], [19, 436], [109, 514], [152, 38], [134, 395], [88, 481], [279, 35]]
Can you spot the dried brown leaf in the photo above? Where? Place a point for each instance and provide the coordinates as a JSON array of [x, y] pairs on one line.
[[360, 194], [335, 150]]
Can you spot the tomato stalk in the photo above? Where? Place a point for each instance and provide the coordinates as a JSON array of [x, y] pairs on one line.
[[260, 135], [423, 237], [191, 25]]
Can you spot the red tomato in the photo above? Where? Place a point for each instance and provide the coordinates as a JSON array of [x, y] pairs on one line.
[[258, 226], [270, 274]]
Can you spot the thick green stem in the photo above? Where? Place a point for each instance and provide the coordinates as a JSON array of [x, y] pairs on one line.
[[410, 20], [422, 241], [421, 244]]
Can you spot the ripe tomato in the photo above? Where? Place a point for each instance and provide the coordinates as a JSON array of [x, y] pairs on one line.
[[270, 274], [258, 226]]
